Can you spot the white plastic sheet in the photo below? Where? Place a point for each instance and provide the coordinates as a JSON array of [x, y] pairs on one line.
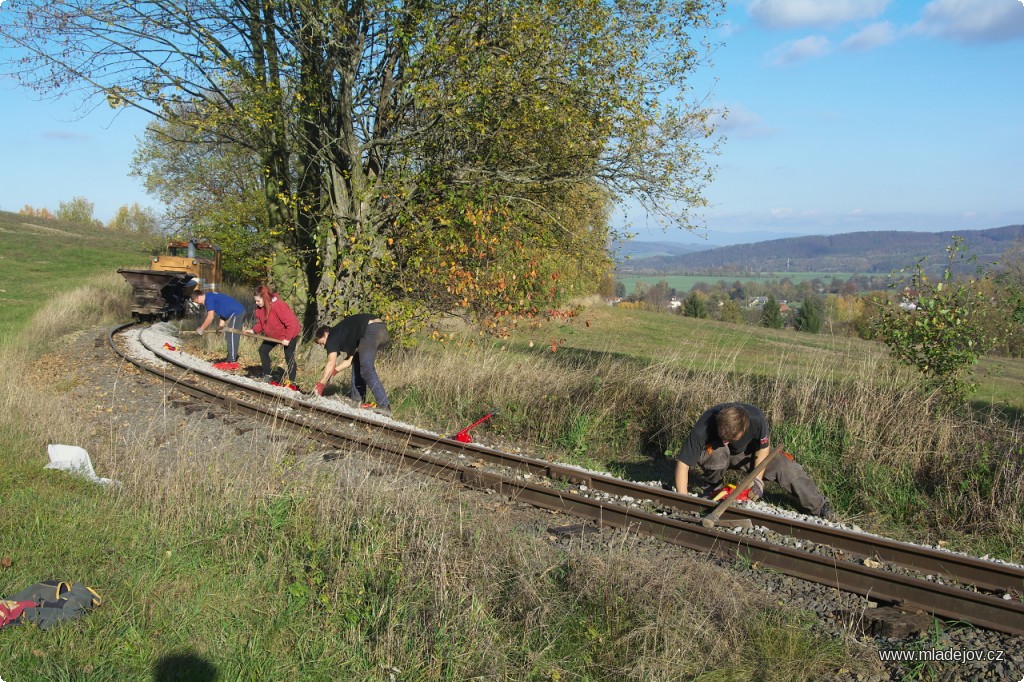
[[75, 460]]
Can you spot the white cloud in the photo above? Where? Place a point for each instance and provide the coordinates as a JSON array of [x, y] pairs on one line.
[[973, 20], [728, 29], [794, 13], [800, 50], [870, 37], [741, 123]]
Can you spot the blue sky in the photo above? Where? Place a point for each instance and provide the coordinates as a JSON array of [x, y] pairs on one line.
[[849, 115], [844, 115], [56, 150]]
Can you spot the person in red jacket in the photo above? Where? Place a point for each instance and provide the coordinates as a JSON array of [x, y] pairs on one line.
[[275, 319]]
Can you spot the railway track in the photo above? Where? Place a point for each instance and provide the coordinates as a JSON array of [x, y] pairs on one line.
[[946, 585]]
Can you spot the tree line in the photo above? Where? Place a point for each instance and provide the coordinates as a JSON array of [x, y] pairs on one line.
[[807, 306], [852, 306], [79, 210]]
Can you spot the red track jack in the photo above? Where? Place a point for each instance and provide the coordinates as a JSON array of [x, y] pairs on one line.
[[463, 435]]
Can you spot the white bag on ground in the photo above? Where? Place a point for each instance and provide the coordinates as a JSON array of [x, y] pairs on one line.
[[75, 460]]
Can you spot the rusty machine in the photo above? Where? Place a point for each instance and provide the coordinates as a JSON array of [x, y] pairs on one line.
[[163, 290]]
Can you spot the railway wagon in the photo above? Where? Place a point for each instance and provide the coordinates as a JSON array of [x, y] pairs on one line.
[[163, 289]]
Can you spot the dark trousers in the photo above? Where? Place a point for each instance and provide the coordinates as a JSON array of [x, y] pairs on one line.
[[364, 373], [231, 339], [782, 470], [289, 357]]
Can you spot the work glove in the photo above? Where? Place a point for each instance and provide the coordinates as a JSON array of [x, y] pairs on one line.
[[319, 389], [756, 491], [199, 331]]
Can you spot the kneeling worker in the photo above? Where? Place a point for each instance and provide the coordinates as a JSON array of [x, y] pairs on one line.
[[735, 436], [358, 337]]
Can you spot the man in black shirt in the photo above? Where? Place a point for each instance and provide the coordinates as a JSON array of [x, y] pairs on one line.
[[357, 338], [735, 436]]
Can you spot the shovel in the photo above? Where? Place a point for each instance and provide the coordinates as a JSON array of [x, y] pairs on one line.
[[714, 517], [463, 435], [230, 330]]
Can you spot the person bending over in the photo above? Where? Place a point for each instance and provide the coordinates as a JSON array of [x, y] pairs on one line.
[[735, 436], [356, 340], [275, 319], [230, 313]]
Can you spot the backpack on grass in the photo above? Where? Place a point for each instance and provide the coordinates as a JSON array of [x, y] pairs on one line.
[[47, 603]]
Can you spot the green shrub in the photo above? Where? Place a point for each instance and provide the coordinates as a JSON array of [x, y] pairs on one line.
[[939, 326]]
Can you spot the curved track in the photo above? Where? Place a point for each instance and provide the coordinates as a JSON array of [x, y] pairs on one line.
[[944, 584]]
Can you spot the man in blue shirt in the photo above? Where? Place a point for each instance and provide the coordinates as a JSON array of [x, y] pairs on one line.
[[230, 312]]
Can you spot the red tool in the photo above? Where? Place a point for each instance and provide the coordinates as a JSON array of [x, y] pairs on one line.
[[724, 491], [463, 435]]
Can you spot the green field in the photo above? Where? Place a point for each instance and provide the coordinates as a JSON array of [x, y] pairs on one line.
[[40, 258], [261, 563], [683, 283], [693, 343], [697, 344]]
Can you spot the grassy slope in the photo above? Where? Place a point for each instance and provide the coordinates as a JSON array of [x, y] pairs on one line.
[[756, 350], [740, 347], [40, 258], [259, 570], [624, 386]]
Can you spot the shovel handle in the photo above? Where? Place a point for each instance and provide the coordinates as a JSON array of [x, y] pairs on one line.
[[711, 519], [231, 330], [251, 335]]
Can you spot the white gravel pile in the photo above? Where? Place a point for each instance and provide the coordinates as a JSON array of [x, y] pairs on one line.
[[155, 339]]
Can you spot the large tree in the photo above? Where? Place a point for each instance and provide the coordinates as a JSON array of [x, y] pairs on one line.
[[78, 210], [694, 306], [461, 146], [136, 219]]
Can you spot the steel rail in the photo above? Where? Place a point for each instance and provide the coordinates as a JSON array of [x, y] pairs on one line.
[[958, 568], [1005, 615]]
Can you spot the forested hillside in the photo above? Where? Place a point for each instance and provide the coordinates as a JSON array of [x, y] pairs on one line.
[[865, 252]]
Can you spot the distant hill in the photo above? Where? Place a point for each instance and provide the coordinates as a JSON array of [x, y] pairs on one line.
[[863, 252], [629, 250]]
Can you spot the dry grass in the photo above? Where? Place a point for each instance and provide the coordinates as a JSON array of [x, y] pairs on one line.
[[271, 565], [104, 301], [875, 442]]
